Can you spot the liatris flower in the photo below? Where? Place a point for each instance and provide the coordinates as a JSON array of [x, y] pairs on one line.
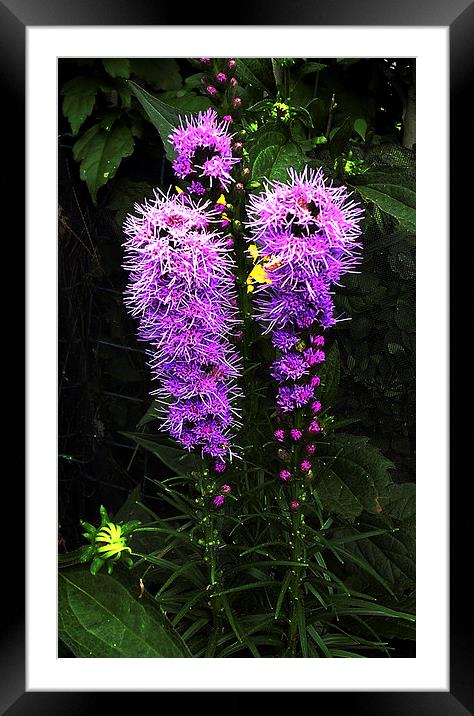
[[307, 230], [310, 229], [279, 435], [218, 501], [285, 475], [204, 148], [181, 290]]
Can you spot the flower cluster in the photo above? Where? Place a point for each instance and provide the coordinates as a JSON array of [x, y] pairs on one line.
[[181, 289], [309, 230], [204, 151], [306, 232]]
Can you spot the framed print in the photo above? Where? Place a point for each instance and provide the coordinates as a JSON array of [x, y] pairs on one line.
[[221, 353]]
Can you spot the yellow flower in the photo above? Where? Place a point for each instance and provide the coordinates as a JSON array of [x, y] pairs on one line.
[[221, 200]]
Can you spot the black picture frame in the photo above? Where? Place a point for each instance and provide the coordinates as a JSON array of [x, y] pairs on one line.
[[15, 17]]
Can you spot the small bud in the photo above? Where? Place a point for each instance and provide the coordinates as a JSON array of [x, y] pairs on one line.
[[316, 406], [221, 77], [227, 118], [220, 466], [218, 501], [305, 465], [211, 90], [279, 435], [225, 489], [239, 186], [236, 102], [233, 82], [205, 60], [294, 505], [231, 64], [296, 434], [310, 448], [285, 475], [238, 146]]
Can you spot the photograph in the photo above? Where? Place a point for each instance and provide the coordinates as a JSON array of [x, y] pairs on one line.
[[236, 357]]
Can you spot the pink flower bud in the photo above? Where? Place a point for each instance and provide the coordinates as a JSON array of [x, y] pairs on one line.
[[294, 504], [225, 489], [285, 475]]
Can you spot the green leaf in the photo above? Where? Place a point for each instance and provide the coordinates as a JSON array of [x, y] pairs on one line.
[[79, 98], [123, 197], [178, 460], [360, 126], [256, 72], [104, 616], [163, 117], [100, 152], [354, 474], [273, 162], [162, 73], [400, 501], [398, 201], [117, 67]]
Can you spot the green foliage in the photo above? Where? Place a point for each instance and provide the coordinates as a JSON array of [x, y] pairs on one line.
[[100, 152], [222, 584], [107, 616]]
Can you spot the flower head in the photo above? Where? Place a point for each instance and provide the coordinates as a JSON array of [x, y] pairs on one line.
[[204, 147], [181, 290], [218, 501]]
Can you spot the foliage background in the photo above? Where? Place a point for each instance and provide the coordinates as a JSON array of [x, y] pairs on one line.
[[357, 121]]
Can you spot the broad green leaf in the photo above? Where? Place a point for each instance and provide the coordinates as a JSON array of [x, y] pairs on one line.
[[360, 126], [100, 152], [79, 98], [256, 72], [178, 460], [163, 117], [117, 67], [186, 101], [354, 474], [105, 616], [271, 134], [273, 162], [398, 201], [162, 73], [391, 555], [399, 501]]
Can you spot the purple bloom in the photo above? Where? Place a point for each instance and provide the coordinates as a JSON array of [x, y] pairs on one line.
[[310, 448], [289, 367], [279, 435], [220, 466], [181, 290], [221, 77], [204, 147], [218, 501], [313, 356], [310, 229], [295, 434], [285, 475], [305, 465]]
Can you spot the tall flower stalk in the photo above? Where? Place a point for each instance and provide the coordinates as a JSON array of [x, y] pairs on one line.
[[305, 235]]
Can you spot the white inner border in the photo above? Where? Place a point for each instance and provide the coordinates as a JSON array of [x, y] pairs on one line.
[[429, 670]]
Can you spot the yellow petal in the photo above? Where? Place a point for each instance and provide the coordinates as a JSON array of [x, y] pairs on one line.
[[253, 251], [221, 200], [180, 191], [259, 274]]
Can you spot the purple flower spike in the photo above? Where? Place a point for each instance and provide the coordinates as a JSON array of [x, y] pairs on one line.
[[204, 147], [310, 229], [218, 501], [181, 290]]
